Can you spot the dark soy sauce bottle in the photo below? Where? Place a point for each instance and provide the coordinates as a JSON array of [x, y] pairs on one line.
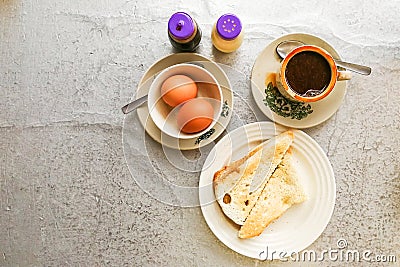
[[183, 32]]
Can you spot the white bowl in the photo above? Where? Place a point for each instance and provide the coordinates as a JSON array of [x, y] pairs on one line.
[[164, 116]]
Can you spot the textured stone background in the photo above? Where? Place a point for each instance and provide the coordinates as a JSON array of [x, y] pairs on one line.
[[67, 197]]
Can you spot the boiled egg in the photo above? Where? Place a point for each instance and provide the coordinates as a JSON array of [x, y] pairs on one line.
[[178, 89], [195, 115]]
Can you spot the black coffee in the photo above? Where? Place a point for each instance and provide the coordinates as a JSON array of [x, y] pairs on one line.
[[308, 73]]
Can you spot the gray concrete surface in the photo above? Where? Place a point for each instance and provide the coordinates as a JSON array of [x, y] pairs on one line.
[[67, 197]]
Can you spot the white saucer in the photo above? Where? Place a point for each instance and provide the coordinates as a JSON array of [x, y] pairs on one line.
[[307, 115], [212, 134], [299, 226]]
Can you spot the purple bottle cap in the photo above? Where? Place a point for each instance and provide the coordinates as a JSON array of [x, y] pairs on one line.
[[181, 25], [229, 26]]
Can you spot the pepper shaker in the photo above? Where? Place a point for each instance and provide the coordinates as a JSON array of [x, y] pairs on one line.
[[183, 32]]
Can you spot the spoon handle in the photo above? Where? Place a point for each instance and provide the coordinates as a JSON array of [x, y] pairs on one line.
[[134, 104], [364, 70]]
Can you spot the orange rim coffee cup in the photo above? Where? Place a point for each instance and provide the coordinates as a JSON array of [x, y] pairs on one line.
[[308, 74]]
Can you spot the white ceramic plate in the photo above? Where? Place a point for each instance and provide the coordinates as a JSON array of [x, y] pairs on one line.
[[227, 101], [299, 226], [268, 61]]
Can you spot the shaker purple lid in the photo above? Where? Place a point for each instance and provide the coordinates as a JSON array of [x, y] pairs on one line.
[[181, 25], [229, 26]]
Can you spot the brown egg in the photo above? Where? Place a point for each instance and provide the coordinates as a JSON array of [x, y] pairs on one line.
[[178, 89], [195, 115]]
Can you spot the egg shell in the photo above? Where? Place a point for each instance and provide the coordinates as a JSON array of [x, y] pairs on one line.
[[195, 115], [178, 89]]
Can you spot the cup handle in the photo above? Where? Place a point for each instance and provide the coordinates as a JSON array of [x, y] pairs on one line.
[[344, 75]]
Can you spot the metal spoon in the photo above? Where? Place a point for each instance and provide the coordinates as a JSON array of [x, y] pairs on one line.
[[286, 47], [134, 104]]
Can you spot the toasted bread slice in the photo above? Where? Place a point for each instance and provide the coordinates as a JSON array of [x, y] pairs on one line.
[[281, 192], [238, 185]]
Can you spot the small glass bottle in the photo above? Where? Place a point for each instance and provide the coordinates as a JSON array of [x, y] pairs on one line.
[[183, 32], [227, 35]]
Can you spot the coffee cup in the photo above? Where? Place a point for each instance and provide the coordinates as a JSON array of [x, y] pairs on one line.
[[308, 74]]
